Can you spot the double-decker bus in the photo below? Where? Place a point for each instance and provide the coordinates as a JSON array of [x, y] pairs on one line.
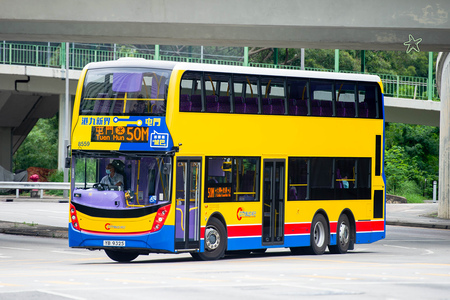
[[210, 159]]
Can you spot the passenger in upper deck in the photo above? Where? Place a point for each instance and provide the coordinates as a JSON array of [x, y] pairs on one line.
[[112, 178]]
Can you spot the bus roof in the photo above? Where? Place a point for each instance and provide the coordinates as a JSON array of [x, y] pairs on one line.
[[132, 62], [277, 72], [140, 62]]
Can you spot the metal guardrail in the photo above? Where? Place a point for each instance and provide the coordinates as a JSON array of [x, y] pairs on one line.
[[41, 186], [34, 186], [53, 56]]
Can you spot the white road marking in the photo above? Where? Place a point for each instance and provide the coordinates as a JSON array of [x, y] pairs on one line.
[[12, 248]]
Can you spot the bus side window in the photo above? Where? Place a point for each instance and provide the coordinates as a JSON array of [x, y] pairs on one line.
[[345, 100], [297, 94], [218, 179], [368, 102], [345, 179], [298, 181], [246, 94], [191, 92], [321, 178], [321, 98], [273, 95], [245, 179]]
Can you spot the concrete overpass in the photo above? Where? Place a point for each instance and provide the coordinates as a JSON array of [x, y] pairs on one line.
[[346, 24]]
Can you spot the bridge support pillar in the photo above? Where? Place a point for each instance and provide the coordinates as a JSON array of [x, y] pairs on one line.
[[443, 81], [6, 148], [62, 151]]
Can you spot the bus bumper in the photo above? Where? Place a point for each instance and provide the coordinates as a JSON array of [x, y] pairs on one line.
[[161, 240]]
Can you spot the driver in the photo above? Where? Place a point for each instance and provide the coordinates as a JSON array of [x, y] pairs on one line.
[[112, 178]]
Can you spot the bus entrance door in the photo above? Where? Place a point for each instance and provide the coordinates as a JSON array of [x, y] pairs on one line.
[[273, 201], [188, 189]]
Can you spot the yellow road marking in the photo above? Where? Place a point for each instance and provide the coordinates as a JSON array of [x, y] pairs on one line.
[[327, 277], [64, 282], [9, 284], [389, 276], [424, 264], [199, 279], [444, 275], [178, 278], [335, 261]]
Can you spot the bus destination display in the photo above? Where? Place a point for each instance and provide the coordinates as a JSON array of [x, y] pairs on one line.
[[219, 192], [119, 134]]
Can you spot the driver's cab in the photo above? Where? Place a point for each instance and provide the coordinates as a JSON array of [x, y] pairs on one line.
[[146, 181]]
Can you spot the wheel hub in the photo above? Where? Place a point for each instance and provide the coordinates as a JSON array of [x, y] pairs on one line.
[[319, 234], [212, 238], [343, 234]]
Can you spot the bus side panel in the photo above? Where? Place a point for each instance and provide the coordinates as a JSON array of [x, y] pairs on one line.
[[301, 240], [244, 236], [370, 231], [369, 237]]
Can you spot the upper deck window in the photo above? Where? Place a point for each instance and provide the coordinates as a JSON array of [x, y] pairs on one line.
[[212, 92], [125, 91]]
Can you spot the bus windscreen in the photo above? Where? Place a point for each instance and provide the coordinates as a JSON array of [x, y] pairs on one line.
[[125, 91]]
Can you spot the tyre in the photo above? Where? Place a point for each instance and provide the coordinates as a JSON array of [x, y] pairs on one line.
[[121, 256], [215, 241], [343, 236], [298, 250], [195, 255], [238, 252], [318, 235]]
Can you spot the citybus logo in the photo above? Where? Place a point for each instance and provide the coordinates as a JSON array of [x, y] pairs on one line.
[[241, 213], [108, 226]]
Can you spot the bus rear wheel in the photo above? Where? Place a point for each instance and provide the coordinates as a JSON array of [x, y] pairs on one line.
[[343, 236], [121, 256], [318, 235], [215, 241]]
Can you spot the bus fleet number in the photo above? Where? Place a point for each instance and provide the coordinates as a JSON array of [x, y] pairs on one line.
[[84, 144]]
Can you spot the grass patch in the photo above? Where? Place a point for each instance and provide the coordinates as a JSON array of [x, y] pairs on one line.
[[30, 224], [410, 190], [413, 198]]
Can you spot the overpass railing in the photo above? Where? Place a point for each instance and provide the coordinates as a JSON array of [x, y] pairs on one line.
[[53, 56]]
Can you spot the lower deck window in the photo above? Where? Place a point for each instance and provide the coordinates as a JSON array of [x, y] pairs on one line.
[[232, 179], [325, 178]]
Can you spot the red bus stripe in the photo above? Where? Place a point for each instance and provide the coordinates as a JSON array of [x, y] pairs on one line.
[[296, 228], [238, 230], [333, 227], [362, 226], [246, 230]]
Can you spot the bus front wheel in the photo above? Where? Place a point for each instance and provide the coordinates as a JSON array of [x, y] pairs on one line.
[[215, 241], [318, 235], [121, 256], [343, 236]]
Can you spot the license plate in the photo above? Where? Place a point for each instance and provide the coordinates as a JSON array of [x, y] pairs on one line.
[[114, 243]]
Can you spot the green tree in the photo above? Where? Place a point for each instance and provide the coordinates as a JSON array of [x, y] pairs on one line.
[[40, 147], [399, 168], [411, 157]]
